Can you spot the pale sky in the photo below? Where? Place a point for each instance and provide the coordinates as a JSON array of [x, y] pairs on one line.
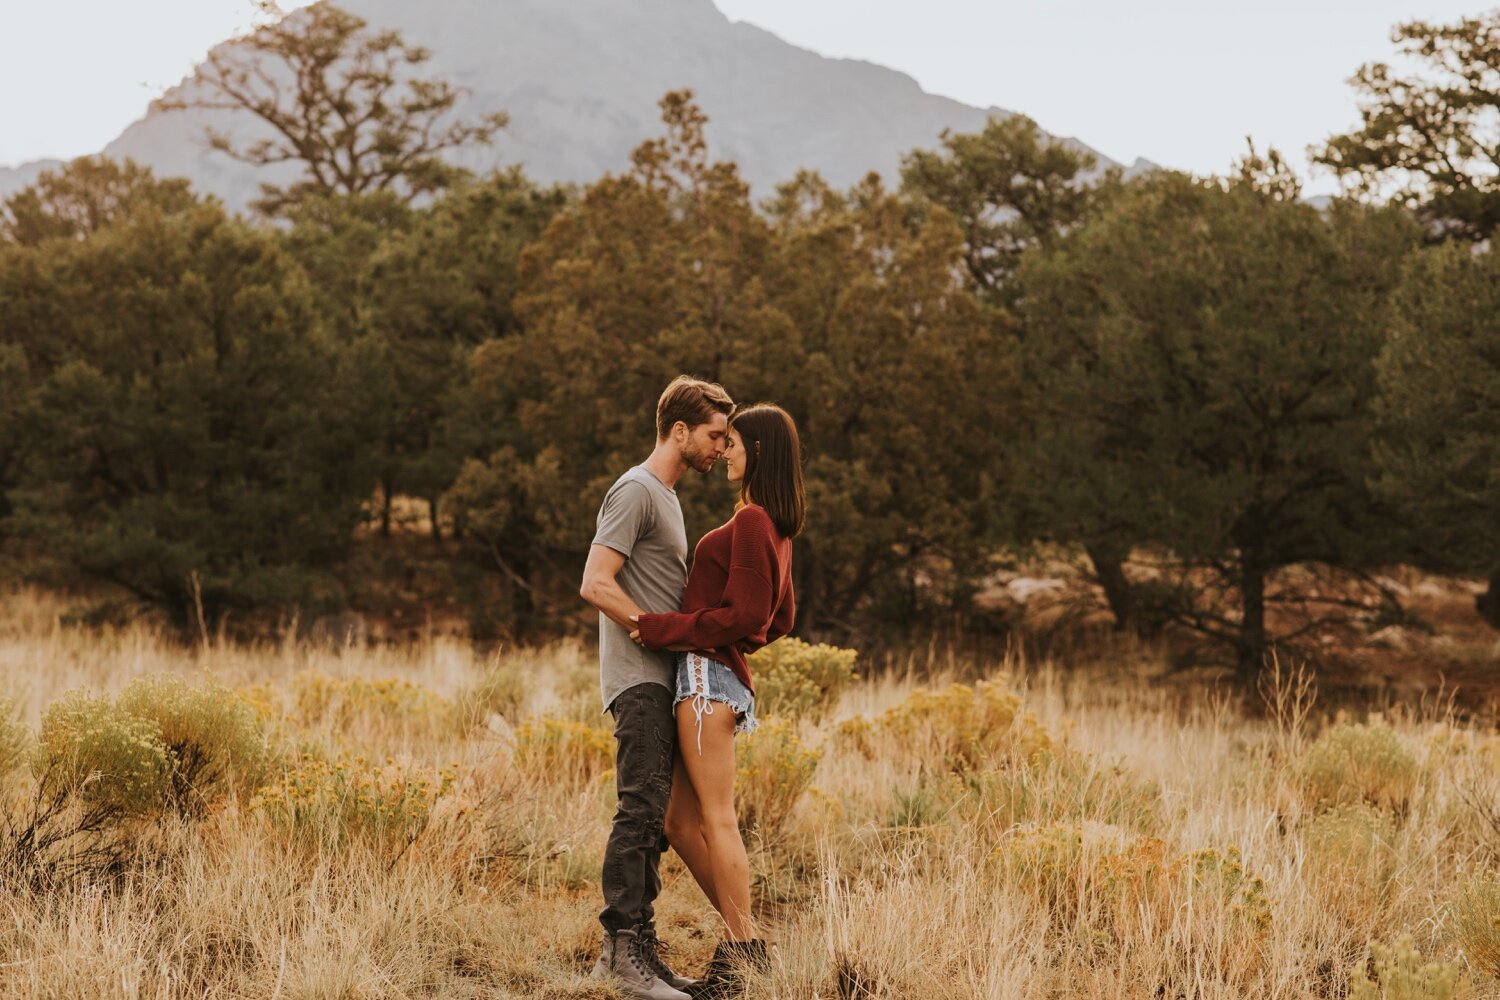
[[1180, 82]]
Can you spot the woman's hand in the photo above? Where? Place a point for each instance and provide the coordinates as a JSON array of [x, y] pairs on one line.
[[635, 637]]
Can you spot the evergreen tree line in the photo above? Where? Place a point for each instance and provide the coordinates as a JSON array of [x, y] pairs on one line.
[[1209, 376]]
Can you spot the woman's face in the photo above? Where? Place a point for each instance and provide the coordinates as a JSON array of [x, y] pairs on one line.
[[734, 456]]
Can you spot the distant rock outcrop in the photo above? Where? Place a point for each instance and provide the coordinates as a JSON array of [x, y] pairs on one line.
[[581, 80], [15, 178]]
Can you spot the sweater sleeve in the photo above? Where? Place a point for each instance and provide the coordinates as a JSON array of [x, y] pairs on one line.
[[746, 606]]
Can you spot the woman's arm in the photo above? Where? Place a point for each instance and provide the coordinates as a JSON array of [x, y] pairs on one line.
[[744, 611], [635, 636], [748, 598]]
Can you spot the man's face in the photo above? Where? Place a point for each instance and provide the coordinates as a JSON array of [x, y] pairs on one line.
[[702, 445]]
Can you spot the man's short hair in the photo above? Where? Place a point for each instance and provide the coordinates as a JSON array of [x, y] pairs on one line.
[[691, 400]]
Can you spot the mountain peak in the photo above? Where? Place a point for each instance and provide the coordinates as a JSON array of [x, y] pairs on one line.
[[581, 81]]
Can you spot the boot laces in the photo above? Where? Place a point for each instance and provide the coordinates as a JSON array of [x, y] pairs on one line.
[[640, 955], [652, 948]]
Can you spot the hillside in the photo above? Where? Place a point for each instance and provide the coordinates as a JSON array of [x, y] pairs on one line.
[[581, 80]]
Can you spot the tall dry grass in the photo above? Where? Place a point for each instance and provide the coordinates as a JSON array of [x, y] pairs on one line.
[[431, 820]]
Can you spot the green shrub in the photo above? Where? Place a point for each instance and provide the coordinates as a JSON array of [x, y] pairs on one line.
[[1096, 877], [794, 679], [1351, 843], [91, 746], [1090, 875], [965, 728], [329, 803], [213, 737], [322, 697], [1478, 917], [1048, 860], [1222, 874], [163, 742], [1400, 974], [772, 770], [558, 749], [1365, 763]]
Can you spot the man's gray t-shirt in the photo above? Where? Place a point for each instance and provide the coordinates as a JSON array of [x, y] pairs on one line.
[[642, 520]]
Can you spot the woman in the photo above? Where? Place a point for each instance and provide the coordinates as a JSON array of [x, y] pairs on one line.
[[738, 598]]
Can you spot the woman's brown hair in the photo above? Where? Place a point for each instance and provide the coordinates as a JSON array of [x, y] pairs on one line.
[[773, 465]]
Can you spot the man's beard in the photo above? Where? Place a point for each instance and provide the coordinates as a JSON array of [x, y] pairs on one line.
[[699, 460]]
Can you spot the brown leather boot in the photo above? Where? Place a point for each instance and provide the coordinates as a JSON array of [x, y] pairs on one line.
[[725, 978]]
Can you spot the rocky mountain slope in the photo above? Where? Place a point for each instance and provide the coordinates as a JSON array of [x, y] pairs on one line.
[[580, 80]]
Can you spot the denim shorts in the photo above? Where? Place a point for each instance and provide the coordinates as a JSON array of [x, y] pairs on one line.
[[704, 681]]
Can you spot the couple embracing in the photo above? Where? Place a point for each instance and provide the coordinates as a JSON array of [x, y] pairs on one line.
[[672, 649]]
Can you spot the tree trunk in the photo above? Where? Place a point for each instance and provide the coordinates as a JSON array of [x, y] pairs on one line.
[[432, 513], [807, 579], [385, 506], [1109, 567], [527, 624], [1488, 603], [1252, 640]]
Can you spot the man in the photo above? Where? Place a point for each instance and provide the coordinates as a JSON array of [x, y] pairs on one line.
[[638, 563]]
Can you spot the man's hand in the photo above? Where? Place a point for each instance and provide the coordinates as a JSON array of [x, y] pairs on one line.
[[603, 591]]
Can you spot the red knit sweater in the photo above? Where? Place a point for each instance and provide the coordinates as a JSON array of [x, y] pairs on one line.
[[738, 596]]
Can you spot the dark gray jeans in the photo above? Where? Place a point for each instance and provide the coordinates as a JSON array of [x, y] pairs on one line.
[[645, 737]]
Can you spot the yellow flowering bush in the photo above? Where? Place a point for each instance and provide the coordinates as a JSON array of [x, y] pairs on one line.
[[1351, 853], [1222, 874], [1096, 873], [968, 727], [327, 803], [263, 699], [89, 745], [795, 679], [1047, 861], [772, 770], [162, 742], [1137, 880], [1400, 974], [213, 738], [1090, 875], [321, 697], [1364, 763], [1477, 914], [558, 748]]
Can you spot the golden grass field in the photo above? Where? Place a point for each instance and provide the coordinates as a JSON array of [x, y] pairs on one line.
[[426, 821]]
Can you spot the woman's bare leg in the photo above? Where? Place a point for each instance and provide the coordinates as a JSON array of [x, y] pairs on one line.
[[711, 775], [685, 830]]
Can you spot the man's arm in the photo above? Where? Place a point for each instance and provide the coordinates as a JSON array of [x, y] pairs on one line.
[[603, 591]]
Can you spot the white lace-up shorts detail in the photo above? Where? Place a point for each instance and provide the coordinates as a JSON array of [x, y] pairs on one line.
[[706, 682]]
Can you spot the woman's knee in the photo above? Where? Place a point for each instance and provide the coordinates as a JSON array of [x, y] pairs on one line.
[[682, 824], [720, 825]]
